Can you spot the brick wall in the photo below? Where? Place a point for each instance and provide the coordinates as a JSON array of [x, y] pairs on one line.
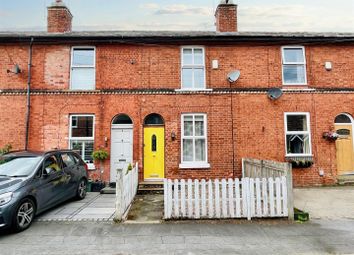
[[258, 130], [258, 121], [260, 66]]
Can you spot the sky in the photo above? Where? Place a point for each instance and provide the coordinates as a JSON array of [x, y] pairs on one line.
[[253, 15]]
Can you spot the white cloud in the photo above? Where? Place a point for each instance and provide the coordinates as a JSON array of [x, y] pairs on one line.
[[292, 18], [180, 9]]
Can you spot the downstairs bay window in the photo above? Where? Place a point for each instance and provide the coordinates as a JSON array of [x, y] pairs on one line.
[[81, 136], [297, 135], [194, 153]]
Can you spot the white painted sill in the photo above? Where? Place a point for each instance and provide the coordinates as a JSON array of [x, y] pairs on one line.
[[194, 165], [193, 90]]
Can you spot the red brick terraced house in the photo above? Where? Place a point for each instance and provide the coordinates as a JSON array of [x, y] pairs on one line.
[[182, 104]]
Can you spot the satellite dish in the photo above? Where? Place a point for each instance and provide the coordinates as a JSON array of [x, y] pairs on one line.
[[275, 93], [233, 76]]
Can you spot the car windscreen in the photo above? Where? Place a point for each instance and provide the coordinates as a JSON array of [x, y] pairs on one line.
[[18, 166]]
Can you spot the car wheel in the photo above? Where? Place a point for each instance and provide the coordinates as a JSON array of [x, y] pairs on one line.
[[24, 215], [81, 189]]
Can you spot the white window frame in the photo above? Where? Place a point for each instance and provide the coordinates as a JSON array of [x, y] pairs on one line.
[[194, 164], [92, 138], [192, 66], [284, 63], [308, 132], [72, 66]]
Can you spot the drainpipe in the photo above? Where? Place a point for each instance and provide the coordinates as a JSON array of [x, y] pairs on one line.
[[28, 94], [232, 133]]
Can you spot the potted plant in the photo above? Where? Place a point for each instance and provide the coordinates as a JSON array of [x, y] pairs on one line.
[[330, 136], [301, 163], [7, 148], [100, 155]]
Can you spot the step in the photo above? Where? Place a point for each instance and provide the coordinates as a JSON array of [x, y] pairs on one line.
[[108, 190], [345, 179], [153, 187], [151, 183], [142, 191]]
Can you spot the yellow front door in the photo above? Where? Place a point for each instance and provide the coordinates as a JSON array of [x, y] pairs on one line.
[[154, 153], [345, 149]]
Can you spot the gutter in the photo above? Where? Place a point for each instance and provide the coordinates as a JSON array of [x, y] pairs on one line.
[[28, 112]]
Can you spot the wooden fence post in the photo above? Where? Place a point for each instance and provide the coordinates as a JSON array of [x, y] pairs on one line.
[[289, 185], [118, 217]]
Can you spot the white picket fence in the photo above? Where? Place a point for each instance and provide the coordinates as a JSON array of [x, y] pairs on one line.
[[126, 188], [232, 198]]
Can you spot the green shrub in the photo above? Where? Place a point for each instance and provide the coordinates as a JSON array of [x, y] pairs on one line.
[[6, 149]]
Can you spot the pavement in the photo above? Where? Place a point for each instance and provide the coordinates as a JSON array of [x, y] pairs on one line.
[[95, 207], [326, 202], [233, 237]]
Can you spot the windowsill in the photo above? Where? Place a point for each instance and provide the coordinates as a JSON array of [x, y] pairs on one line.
[[299, 157], [196, 165], [81, 90], [193, 90], [296, 84]]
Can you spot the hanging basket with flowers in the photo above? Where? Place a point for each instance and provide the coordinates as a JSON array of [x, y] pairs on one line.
[[330, 136]]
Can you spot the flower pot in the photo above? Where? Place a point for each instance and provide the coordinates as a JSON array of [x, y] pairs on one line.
[[97, 186]]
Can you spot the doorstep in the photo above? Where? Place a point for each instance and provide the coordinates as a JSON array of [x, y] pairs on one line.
[[345, 179]]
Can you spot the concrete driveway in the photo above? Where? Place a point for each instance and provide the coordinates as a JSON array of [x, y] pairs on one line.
[[95, 207], [326, 202]]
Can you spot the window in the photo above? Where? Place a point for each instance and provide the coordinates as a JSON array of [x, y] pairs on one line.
[[294, 66], [51, 165], [83, 71], [193, 68], [154, 119], [194, 141], [68, 160], [153, 143], [82, 136], [298, 137], [342, 119]]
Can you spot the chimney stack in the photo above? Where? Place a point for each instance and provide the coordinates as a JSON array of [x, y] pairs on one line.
[[59, 18], [226, 16]]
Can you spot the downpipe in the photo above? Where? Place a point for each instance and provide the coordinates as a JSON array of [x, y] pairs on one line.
[[28, 112]]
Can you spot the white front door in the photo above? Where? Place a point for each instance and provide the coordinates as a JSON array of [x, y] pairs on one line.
[[121, 150]]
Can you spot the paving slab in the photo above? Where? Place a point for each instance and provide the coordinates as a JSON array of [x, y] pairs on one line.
[[146, 208], [326, 202], [94, 207]]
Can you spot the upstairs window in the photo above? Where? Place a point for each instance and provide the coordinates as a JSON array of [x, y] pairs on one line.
[[82, 136], [298, 138], [294, 65], [193, 68], [83, 68]]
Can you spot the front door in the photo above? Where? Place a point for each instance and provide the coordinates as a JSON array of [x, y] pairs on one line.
[[345, 149], [121, 150], [154, 153]]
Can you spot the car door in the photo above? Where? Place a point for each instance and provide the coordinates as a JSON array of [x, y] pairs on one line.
[[70, 168], [51, 184]]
